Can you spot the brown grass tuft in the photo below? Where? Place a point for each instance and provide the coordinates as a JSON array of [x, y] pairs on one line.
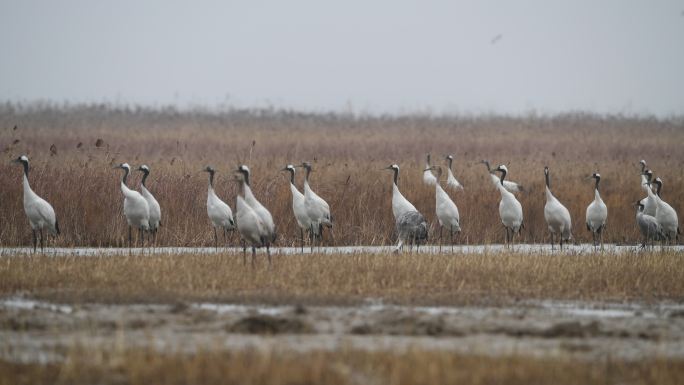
[[347, 279]]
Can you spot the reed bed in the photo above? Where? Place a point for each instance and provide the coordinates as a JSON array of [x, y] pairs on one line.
[[73, 149], [122, 366], [412, 279]]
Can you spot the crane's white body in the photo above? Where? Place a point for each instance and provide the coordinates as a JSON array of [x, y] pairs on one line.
[[155, 210], [496, 181], [317, 208], [249, 223], [649, 202], [220, 214], [263, 213], [452, 182], [666, 216], [299, 209], [447, 213], [597, 214], [507, 184], [136, 209], [400, 205], [649, 227], [557, 217], [428, 177], [40, 213], [510, 210]]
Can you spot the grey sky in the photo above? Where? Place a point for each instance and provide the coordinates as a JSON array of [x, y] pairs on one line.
[[375, 56]]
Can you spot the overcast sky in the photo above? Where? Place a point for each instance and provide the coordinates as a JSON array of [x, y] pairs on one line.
[[384, 56]]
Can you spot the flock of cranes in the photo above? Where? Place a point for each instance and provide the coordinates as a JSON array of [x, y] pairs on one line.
[[656, 219]]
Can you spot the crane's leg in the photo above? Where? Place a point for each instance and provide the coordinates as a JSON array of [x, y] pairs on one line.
[[41, 241], [440, 238], [253, 256], [35, 241], [601, 238], [561, 242], [332, 237], [244, 252], [142, 239], [301, 243], [130, 238], [452, 239], [552, 241], [268, 253], [215, 239], [313, 237]]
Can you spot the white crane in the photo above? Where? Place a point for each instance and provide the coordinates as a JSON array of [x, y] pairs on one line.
[[298, 206], [249, 225], [428, 177], [452, 182], [39, 212], [648, 226], [510, 210], [265, 216], [507, 184], [316, 207], [447, 212], [556, 215], [155, 210], [597, 214], [666, 215], [411, 225], [220, 214], [136, 209], [650, 204]]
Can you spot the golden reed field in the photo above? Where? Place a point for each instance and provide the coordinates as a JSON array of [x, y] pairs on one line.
[[73, 149]]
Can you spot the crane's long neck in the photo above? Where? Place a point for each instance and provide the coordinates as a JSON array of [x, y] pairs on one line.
[[145, 174], [548, 182], [27, 187], [396, 177], [306, 176], [211, 180], [597, 184], [658, 187], [292, 177], [503, 175], [246, 174], [125, 177], [450, 161]]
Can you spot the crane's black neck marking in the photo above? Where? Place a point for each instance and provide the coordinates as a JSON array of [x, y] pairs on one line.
[[26, 168], [659, 185], [125, 177], [145, 174], [245, 173], [503, 175], [598, 179], [292, 175], [546, 176], [450, 162], [308, 171], [396, 176], [211, 178]]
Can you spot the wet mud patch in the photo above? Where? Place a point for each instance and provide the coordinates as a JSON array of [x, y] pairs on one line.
[[267, 324]]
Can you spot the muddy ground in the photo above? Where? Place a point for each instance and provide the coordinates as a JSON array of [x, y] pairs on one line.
[[34, 331]]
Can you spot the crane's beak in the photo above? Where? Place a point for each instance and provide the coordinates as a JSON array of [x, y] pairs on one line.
[[284, 169]]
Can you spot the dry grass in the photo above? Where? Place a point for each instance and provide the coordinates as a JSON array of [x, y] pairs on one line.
[[343, 367], [347, 279], [347, 152]]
